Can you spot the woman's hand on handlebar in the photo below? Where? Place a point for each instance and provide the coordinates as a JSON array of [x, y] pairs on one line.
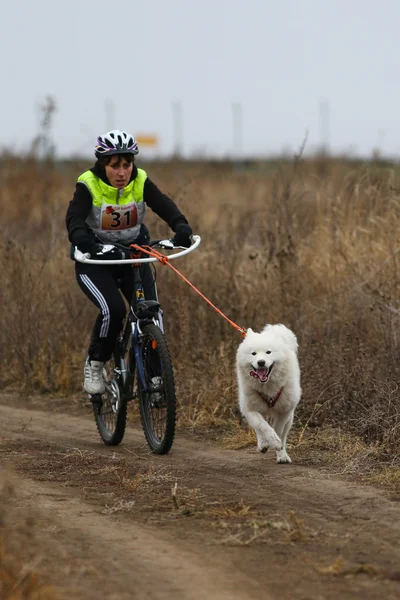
[[183, 235]]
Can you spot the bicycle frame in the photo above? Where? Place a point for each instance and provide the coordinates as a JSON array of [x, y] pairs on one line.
[[126, 369], [138, 356]]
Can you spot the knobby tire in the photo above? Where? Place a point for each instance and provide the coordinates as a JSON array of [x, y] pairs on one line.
[[157, 408]]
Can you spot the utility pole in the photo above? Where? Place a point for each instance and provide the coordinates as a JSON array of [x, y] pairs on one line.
[[177, 128], [43, 140]]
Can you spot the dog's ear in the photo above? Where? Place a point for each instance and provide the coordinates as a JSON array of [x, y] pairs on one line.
[[249, 331]]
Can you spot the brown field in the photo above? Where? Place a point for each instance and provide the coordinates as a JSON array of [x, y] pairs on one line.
[[314, 244]]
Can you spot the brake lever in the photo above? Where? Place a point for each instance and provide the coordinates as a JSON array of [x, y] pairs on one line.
[[167, 244]]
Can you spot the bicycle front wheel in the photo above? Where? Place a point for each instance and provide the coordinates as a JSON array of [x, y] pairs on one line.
[[110, 408], [157, 400]]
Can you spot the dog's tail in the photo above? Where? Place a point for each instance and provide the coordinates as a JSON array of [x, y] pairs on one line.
[[286, 334]]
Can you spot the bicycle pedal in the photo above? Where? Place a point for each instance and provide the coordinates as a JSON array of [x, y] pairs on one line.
[[95, 399], [159, 403]]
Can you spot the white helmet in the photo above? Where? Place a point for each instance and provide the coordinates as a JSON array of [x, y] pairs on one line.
[[115, 142]]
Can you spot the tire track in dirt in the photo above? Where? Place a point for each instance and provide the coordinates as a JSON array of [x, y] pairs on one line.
[[172, 557], [119, 559]]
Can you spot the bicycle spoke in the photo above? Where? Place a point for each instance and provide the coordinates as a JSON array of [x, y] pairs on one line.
[[110, 412]]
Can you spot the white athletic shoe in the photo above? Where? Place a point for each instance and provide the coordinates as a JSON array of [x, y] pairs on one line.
[[94, 381]]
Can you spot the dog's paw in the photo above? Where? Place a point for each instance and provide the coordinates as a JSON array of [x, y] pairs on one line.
[[275, 441], [270, 440], [283, 458]]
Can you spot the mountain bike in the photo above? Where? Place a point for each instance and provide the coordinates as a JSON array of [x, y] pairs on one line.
[[140, 368]]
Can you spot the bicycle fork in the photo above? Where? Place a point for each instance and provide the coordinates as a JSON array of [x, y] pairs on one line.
[[138, 356], [154, 386]]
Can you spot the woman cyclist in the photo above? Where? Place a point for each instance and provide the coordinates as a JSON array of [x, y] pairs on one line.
[[109, 206]]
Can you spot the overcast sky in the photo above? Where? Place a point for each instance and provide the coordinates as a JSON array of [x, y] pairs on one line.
[[176, 68]]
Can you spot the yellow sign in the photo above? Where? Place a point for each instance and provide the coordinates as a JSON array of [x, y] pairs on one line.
[[146, 140]]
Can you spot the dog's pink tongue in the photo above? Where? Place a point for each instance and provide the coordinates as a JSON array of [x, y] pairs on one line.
[[262, 373]]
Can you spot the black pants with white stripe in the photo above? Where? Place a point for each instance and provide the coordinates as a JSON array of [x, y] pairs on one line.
[[103, 286]]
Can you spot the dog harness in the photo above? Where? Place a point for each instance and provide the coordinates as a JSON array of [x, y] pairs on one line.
[[271, 401]]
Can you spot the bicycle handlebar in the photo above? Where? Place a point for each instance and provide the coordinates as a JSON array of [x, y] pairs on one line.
[[166, 244]]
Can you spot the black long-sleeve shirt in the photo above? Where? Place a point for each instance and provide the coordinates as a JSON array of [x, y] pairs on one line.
[[80, 206]]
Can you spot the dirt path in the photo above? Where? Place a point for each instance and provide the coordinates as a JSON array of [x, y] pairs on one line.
[[202, 522]]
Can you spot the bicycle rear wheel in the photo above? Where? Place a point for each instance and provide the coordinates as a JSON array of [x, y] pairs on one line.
[[157, 403], [110, 408]]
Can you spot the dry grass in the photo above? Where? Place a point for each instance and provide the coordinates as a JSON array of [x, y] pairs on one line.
[[345, 454], [246, 527], [331, 448], [340, 569], [239, 437], [314, 244]]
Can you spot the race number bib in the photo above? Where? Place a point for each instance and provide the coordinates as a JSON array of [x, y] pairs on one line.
[[116, 217]]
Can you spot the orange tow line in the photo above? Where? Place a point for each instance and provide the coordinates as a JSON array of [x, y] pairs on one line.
[[165, 261]]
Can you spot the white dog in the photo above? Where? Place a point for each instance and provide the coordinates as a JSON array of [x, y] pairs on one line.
[[269, 385]]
